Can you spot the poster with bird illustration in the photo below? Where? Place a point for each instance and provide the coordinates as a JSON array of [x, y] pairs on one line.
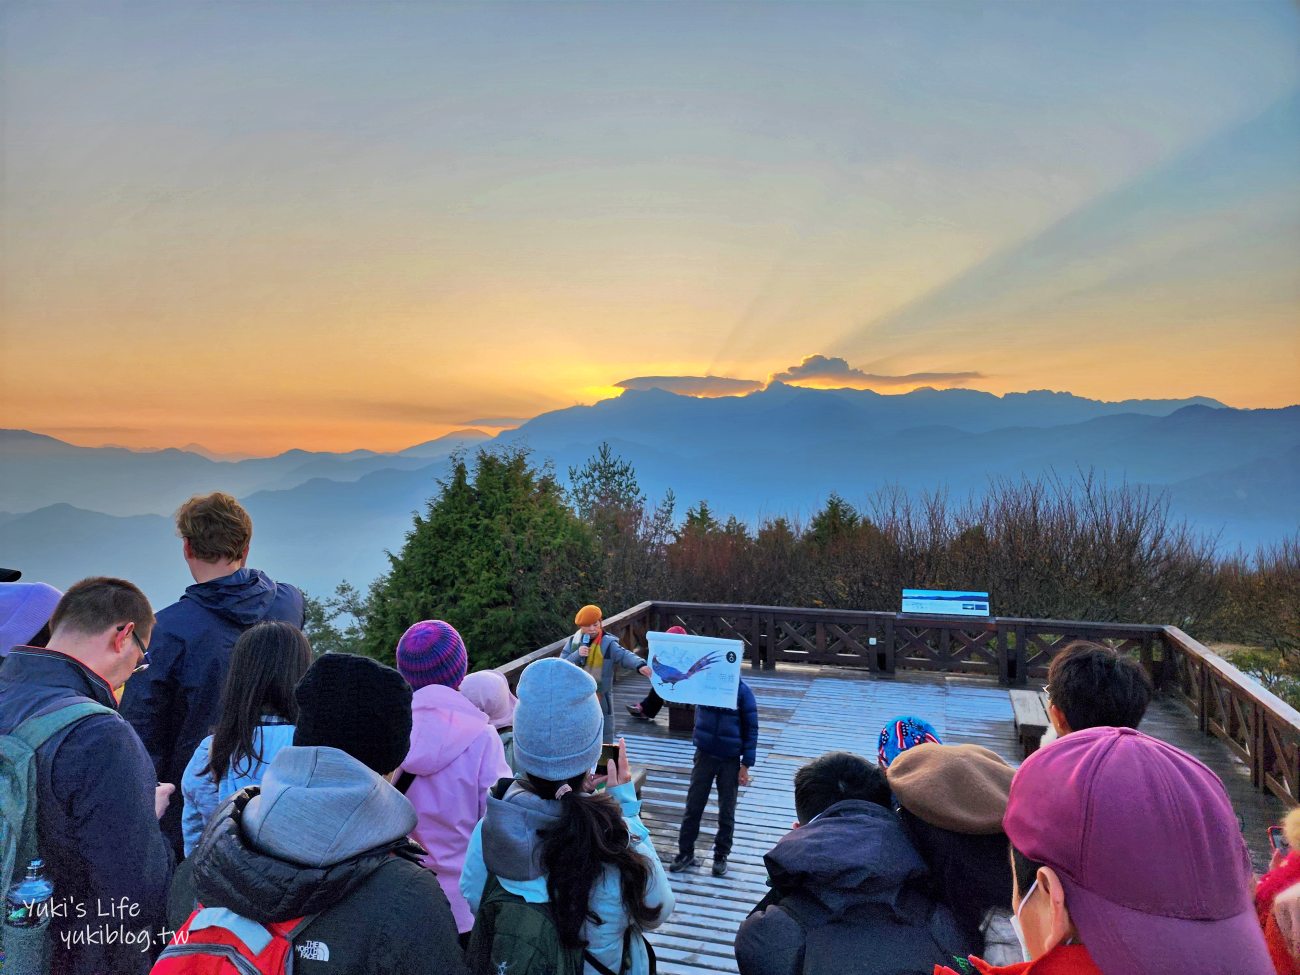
[[687, 669]]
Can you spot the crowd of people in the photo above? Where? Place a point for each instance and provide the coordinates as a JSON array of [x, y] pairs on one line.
[[339, 815]]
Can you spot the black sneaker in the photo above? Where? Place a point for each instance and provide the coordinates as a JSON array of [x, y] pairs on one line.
[[683, 861], [636, 712], [719, 866]]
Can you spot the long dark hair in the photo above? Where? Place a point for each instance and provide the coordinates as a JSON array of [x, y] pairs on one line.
[[268, 660], [591, 833]]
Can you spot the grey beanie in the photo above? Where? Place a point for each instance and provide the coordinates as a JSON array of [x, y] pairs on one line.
[[558, 723]]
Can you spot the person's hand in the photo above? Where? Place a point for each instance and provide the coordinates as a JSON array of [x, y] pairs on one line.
[[744, 775], [644, 671], [584, 649], [1286, 911], [162, 796]]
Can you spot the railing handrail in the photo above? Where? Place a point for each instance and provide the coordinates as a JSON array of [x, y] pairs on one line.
[[1249, 687], [513, 668], [969, 622], [1261, 728]]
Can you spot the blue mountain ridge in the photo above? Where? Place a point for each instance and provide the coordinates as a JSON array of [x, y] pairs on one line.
[[321, 518]]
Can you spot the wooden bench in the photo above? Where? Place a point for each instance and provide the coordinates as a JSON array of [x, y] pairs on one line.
[[1031, 719]]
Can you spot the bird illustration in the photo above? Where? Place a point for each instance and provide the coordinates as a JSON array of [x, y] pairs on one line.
[[672, 676]]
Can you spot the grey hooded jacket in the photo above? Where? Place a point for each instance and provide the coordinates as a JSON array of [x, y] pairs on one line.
[[326, 836]]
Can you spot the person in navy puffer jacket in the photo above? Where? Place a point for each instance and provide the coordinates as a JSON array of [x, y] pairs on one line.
[[725, 742], [97, 800], [174, 704]]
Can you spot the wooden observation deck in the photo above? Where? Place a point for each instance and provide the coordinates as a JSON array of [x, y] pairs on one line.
[[823, 685]]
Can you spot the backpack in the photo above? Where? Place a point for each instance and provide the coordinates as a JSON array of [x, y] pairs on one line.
[[880, 944], [18, 781], [516, 937], [217, 941], [18, 801]]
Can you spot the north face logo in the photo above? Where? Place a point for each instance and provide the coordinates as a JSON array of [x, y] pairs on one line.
[[314, 951]]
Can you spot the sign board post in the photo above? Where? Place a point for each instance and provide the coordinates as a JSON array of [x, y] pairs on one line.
[[945, 602]]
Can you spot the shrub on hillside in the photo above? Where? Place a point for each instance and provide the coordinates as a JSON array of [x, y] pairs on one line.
[[505, 555], [498, 554]]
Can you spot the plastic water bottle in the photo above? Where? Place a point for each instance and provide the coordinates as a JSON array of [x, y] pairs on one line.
[[27, 919], [27, 904]]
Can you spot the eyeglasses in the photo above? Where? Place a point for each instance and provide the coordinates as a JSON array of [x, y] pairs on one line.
[[1047, 689], [144, 651]]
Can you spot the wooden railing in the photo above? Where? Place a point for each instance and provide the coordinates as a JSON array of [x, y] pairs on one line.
[[1259, 727], [630, 626]]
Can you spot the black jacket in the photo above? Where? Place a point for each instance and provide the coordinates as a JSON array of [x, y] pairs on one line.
[[847, 897], [96, 828], [174, 704], [968, 873], [378, 912]]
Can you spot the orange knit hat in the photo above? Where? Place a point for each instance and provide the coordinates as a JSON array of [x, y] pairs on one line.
[[588, 616]]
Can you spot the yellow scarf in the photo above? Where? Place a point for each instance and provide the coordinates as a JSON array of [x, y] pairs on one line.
[[595, 656]]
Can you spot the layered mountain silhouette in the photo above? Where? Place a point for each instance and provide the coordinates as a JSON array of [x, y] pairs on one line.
[[322, 517]]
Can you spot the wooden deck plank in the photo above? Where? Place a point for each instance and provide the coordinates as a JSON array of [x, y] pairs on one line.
[[805, 711]]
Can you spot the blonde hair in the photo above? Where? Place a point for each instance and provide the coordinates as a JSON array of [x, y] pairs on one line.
[[1291, 828]]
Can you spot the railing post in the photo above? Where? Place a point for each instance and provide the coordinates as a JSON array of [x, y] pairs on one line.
[[1256, 746], [769, 647], [1147, 656], [756, 641], [1000, 648], [1267, 756], [1203, 711], [888, 667]]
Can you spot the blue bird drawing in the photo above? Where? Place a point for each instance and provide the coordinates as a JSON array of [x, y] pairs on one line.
[[672, 676]]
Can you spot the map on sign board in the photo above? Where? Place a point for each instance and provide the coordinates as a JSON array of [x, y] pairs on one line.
[[944, 602], [687, 669]]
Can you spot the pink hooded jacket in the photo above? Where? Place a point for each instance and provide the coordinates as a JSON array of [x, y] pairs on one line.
[[456, 757]]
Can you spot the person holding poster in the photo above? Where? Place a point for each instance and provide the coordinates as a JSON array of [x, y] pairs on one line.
[[598, 652], [725, 742]]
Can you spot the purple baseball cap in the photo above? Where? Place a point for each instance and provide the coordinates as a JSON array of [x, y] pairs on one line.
[[1156, 874]]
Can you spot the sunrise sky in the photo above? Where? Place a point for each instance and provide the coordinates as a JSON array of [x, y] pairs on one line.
[[333, 225]]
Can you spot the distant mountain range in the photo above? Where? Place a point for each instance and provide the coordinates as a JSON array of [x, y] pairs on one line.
[[323, 517], [38, 470]]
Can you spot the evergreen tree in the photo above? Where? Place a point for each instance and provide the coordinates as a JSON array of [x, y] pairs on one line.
[[632, 537], [334, 624], [498, 554], [700, 521], [605, 488], [835, 522]]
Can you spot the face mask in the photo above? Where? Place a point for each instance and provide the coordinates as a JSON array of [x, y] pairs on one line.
[[1015, 922]]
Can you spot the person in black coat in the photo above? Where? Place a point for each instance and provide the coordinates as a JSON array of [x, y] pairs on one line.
[[97, 798], [726, 742], [848, 889], [326, 835], [951, 800], [173, 705]]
